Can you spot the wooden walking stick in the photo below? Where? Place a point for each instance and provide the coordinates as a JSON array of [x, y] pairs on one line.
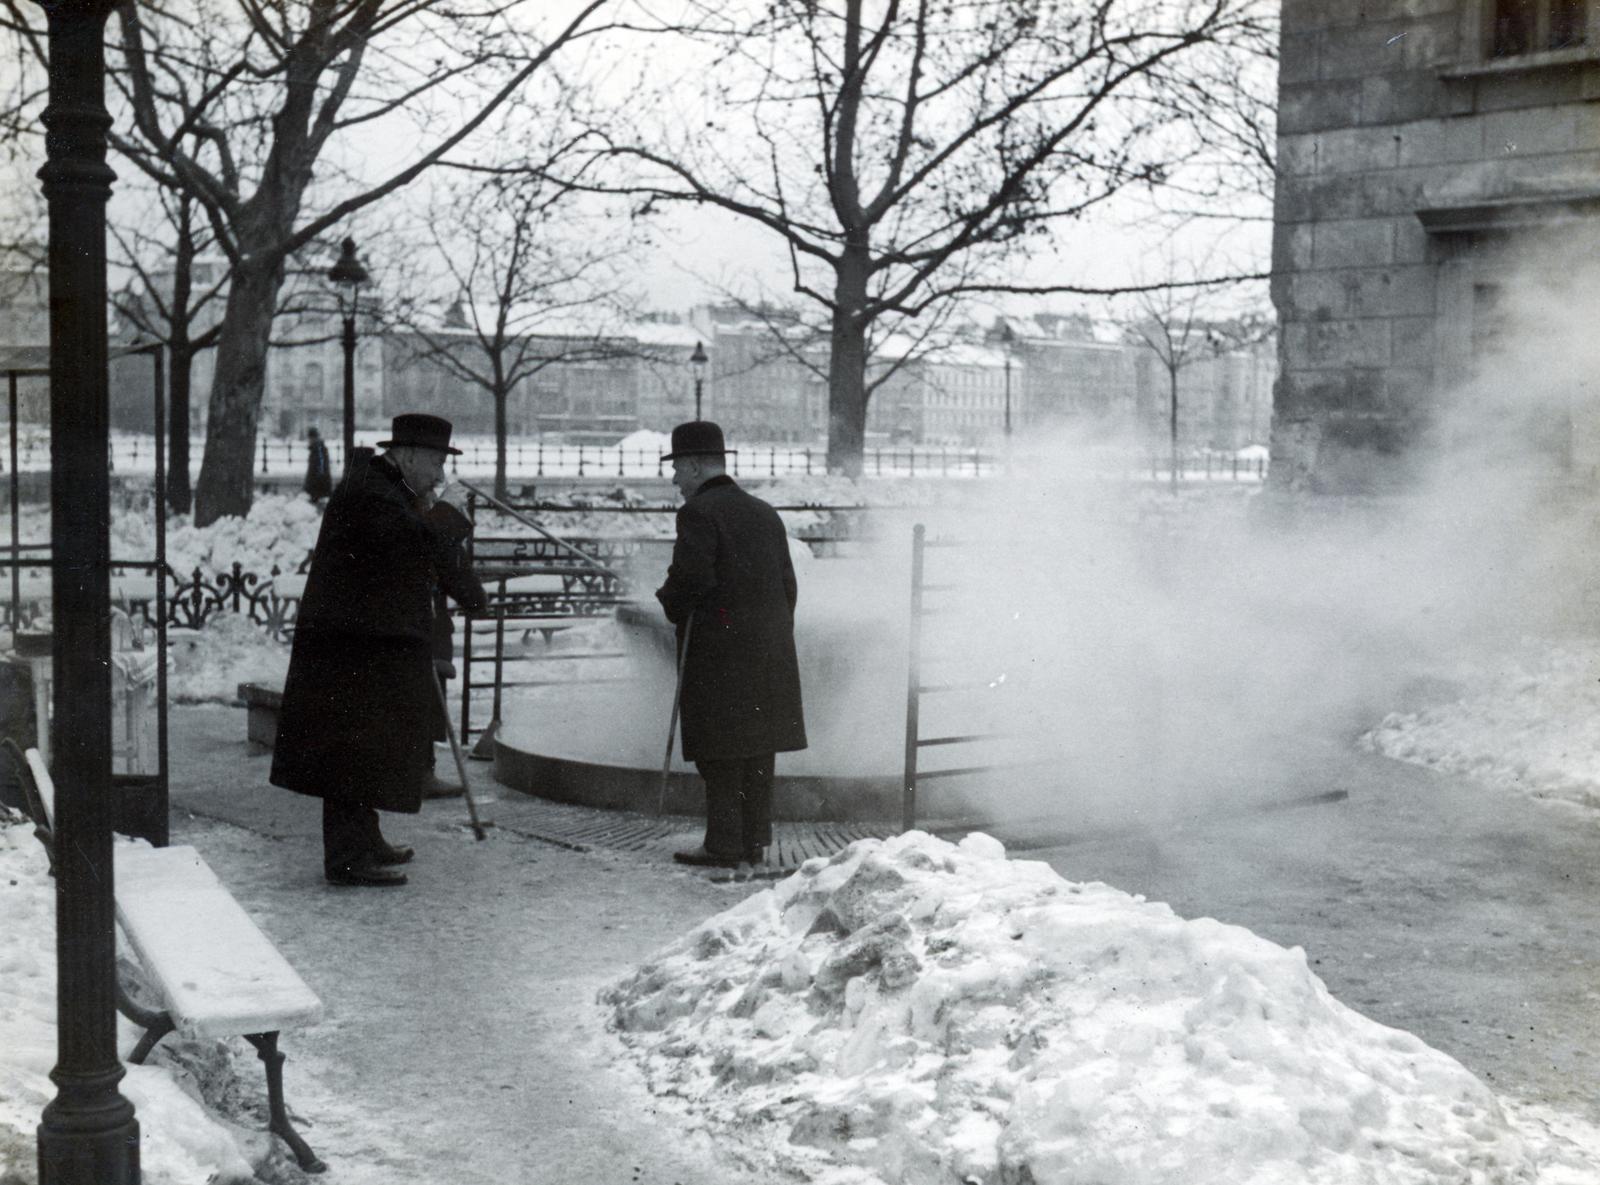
[[461, 765], [672, 726]]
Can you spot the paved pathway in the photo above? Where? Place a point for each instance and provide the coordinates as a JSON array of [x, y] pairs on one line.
[[462, 1042], [462, 1030], [1468, 916]]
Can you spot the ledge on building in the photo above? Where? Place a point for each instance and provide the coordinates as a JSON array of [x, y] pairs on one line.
[[1510, 214], [1523, 63]]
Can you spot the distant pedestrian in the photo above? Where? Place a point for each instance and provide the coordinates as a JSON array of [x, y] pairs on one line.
[[731, 576], [359, 703], [457, 582], [319, 475]]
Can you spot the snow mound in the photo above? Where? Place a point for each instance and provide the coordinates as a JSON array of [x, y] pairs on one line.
[[1532, 727], [181, 1142], [207, 665], [927, 1012], [278, 532]]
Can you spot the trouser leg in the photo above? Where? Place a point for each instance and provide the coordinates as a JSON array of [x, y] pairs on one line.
[[756, 803], [350, 835], [724, 787]]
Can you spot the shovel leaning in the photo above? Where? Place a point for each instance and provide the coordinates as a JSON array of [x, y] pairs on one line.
[[672, 726], [461, 765]]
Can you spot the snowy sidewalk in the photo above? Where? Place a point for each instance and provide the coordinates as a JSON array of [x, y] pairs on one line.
[[462, 1041], [462, 1026]]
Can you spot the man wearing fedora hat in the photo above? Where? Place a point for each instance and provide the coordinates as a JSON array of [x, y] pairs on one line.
[[731, 577], [359, 701]]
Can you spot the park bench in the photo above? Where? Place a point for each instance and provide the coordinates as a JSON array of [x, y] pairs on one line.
[[262, 706], [216, 973]]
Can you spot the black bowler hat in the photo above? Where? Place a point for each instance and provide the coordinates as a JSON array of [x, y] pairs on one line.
[[697, 438], [418, 430]]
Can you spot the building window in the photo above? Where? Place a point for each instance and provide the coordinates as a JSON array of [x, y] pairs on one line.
[[1519, 27], [1488, 320]]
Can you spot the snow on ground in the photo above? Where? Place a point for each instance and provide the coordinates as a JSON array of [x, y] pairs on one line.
[[207, 665], [1530, 725], [182, 1143], [914, 1011]]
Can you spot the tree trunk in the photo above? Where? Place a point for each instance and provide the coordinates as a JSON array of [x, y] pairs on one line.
[[847, 365], [1172, 383], [180, 358], [227, 470], [501, 395], [180, 363]]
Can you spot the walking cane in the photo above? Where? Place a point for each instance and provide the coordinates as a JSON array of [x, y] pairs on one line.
[[461, 766], [672, 726]]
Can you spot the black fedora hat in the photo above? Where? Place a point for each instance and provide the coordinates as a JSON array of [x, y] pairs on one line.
[[419, 430], [697, 438]]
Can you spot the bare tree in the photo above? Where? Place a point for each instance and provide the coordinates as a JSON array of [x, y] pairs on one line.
[[906, 152], [170, 301], [1184, 323], [241, 105], [528, 281]]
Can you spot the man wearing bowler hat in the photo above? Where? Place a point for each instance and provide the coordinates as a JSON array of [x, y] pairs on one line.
[[740, 706], [360, 701]]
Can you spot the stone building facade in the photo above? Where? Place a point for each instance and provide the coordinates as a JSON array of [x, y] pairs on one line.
[[1429, 151]]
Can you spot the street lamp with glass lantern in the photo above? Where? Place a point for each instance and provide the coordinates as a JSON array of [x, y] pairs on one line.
[[348, 276], [697, 361]]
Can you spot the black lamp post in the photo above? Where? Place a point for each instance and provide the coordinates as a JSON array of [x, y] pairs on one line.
[[348, 276], [698, 361], [88, 1134], [1007, 339]]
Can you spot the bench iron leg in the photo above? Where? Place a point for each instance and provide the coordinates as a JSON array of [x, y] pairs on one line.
[[156, 1024], [267, 1049]]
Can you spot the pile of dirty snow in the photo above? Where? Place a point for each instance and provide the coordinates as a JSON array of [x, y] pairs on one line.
[[1532, 725], [181, 1142], [279, 532], [207, 665], [916, 1011]]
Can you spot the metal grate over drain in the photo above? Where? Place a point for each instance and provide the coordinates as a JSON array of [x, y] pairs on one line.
[[589, 828]]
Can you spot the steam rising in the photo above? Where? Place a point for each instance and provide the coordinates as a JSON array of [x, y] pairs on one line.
[[1152, 654]]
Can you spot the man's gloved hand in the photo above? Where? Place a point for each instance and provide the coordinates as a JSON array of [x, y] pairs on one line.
[[455, 494], [444, 668]]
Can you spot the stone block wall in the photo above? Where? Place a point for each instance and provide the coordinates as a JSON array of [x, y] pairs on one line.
[[1405, 153]]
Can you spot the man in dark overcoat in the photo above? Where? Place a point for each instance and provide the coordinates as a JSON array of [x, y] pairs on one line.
[[740, 705], [360, 702]]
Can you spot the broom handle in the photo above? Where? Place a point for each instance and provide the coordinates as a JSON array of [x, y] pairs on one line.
[[672, 725], [528, 522], [455, 749]]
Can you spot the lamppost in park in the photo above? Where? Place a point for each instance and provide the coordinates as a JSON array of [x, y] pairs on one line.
[[348, 276], [698, 361], [88, 1134]]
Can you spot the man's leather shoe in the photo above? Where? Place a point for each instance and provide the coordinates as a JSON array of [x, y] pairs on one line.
[[390, 854], [700, 858], [365, 874]]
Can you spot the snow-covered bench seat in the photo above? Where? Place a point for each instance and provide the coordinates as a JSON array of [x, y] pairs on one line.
[[217, 974]]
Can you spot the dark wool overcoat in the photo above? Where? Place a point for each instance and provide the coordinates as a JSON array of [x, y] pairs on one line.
[[360, 699], [457, 581], [731, 572]]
